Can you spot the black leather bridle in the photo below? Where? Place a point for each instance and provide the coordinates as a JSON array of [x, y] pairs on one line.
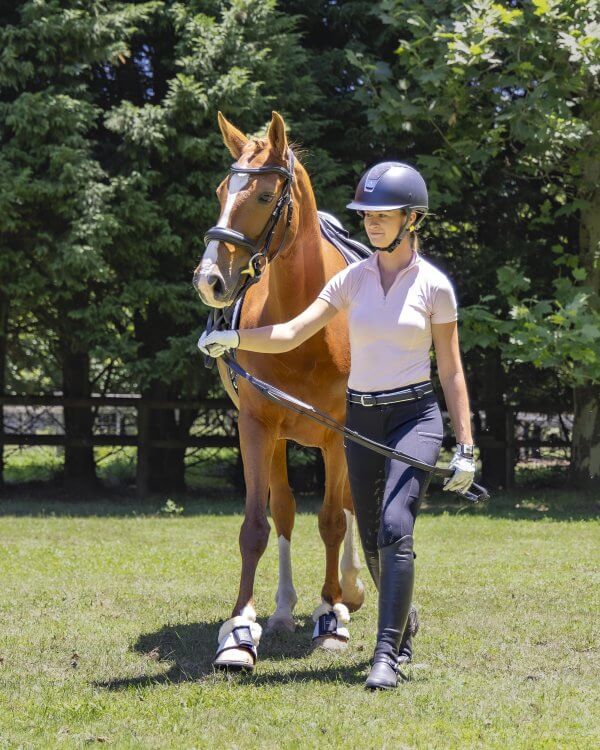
[[259, 248]]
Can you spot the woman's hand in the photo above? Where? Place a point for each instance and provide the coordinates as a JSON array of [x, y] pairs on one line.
[[464, 472], [217, 343]]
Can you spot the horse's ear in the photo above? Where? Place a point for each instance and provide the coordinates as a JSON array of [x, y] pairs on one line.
[[233, 138], [277, 136]]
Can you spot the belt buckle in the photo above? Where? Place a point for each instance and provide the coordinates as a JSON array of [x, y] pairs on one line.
[[367, 395]]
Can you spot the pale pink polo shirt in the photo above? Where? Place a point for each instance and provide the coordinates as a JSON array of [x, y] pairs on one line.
[[390, 335]]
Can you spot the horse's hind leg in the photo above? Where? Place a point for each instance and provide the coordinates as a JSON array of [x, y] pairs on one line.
[[283, 510], [332, 526]]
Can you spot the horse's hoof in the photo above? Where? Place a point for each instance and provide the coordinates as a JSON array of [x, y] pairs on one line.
[[235, 660], [330, 643], [280, 624]]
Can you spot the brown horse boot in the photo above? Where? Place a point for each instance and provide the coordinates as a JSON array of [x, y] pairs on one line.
[[396, 564]]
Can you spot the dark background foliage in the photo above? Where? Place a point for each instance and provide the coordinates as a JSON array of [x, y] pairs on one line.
[[110, 155]]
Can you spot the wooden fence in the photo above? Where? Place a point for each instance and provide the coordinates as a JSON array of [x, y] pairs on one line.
[[143, 440]]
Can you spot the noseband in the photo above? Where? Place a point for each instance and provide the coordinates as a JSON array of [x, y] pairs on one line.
[[259, 248]]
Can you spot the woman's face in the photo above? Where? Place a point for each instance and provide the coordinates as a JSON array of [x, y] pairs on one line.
[[382, 227]]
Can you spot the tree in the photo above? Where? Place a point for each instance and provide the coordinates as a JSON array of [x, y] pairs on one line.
[[196, 58], [509, 94], [55, 218]]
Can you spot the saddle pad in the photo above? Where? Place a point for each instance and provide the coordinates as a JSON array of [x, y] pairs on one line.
[[334, 232]]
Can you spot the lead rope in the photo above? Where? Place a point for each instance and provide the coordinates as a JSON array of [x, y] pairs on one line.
[[280, 397]]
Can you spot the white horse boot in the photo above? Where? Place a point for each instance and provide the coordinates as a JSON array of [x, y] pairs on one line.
[[238, 640], [328, 633]]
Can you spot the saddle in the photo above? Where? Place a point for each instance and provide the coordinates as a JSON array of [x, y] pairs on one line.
[[332, 230]]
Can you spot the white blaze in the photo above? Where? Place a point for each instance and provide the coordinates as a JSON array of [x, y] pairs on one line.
[[237, 182]]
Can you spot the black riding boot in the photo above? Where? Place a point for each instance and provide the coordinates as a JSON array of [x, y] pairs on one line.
[[372, 560], [412, 624], [396, 578], [405, 651]]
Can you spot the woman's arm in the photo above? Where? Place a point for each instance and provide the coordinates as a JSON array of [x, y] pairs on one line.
[[282, 337], [452, 378]]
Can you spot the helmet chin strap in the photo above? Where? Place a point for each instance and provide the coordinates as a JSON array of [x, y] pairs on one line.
[[407, 227]]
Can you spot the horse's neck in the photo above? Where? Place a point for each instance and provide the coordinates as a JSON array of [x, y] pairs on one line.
[[298, 274]]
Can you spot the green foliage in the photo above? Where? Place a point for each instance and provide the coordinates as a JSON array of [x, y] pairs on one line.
[[171, 509], [109, 166], [110, 155], [560, 333], [494, 100]]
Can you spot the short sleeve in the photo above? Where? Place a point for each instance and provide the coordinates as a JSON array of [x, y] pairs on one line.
[[445, 309], [335, 290]]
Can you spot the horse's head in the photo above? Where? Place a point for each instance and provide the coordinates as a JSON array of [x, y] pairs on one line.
[[256, 213]]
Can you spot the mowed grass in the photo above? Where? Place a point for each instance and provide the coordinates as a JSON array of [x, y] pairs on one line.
[[109, 615]]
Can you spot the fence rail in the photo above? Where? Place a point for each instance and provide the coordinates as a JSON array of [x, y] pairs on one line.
[[144, 441]]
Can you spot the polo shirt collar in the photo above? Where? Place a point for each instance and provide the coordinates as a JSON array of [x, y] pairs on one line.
[[372, 263]]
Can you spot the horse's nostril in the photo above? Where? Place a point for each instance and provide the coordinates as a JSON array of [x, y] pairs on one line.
[[215, 283]]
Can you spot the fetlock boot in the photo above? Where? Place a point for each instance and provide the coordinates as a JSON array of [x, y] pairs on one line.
[[396, 578]]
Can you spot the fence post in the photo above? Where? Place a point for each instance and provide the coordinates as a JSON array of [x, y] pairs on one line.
[[143, 458], [1, 444], [3, 357], [510, 448]]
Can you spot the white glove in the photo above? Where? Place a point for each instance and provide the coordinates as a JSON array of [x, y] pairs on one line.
[[464, 472], [216, 343]]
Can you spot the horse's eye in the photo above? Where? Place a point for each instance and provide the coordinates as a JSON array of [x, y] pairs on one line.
[[266, 197]]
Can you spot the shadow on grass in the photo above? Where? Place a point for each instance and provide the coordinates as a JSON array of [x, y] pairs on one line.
[[189, 648]]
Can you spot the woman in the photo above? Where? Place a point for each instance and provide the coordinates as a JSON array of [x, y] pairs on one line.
[[397, 303]]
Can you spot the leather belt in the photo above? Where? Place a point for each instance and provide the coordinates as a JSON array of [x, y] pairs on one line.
[[410, 393]]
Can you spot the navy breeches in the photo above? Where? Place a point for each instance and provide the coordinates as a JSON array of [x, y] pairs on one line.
[[387, 492]]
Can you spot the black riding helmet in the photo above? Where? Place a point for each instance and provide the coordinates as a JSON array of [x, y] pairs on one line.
[[390, 185]]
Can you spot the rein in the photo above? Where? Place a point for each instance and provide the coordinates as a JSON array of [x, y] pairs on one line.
[[294, 404]]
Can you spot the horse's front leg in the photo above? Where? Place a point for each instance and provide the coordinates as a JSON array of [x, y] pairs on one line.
[[240, 635], [283, 509], [331, 616]]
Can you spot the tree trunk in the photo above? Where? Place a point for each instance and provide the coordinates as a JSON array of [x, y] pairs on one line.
[[165, 470], [80, 469], [3, 355], [496, 463], [585, 452]]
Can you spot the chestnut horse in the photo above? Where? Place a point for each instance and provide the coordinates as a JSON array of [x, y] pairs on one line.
[[316, 372]]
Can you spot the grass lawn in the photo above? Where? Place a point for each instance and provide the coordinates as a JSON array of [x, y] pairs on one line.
[[109, 614]]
